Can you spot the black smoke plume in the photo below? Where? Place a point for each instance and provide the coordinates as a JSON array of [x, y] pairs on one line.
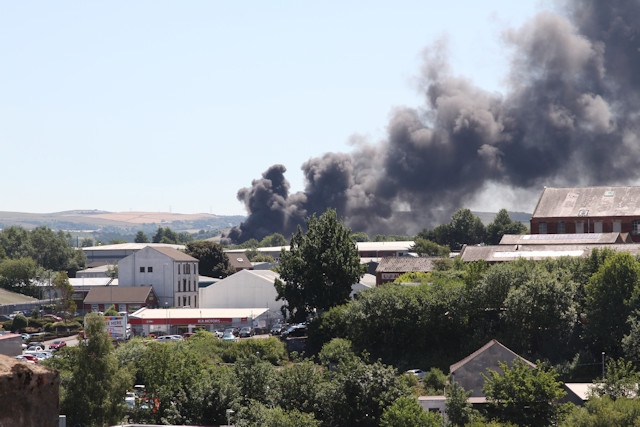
[[570, 117]]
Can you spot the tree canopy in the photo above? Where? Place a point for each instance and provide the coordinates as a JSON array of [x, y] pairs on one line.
[[213, 261], [320, 268]]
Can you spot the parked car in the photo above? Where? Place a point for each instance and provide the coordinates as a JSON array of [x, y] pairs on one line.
[[218, 333], [278, 328], [187, 335], [24, 358], [229, 336], [57, 345], [35, 348], [130, 399], [31, 357], [52, 317], [417, 372], [298, 330], [169, 338], [246, 332], [234, 331], [26, 337]]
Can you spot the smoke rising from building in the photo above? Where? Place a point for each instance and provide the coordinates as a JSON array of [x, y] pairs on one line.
[[570, 117]]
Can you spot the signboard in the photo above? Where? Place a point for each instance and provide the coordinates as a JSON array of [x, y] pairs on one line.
[[116, 327]]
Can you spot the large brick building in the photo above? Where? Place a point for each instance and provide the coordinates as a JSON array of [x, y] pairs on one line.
[[588, 210]]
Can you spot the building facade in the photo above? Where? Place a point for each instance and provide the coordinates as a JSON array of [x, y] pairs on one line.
[[588, 210], [172, 274]]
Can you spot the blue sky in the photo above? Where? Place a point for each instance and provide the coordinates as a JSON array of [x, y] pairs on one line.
[[175, 106]]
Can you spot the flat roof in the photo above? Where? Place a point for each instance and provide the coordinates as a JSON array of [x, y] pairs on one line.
[[195, 316]]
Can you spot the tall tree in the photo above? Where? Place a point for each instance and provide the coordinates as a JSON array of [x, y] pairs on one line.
[[64, 292], [320, 268], [611, 296], [503, 224], [93, 394], [523, 395], [141, 237], [213, 261]]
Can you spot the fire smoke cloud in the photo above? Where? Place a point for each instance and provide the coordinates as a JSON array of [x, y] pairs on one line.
[[571, 116]]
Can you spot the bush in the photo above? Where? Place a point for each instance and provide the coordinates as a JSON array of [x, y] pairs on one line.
[[19, 323]]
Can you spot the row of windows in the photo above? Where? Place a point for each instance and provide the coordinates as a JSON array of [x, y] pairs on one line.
[[186, 268], [186, 286], [186, 301], [561, 227]]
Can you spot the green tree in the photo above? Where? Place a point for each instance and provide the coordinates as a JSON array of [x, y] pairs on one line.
[[297, 386], [141, 237], [275, 239], [318, 271], [620, 380], [524, 395], [407, 412], [19, 322], [605, 412], [16, 275], [434, 381], [459, 410], [64, 292], [93, 393], [611, 296], [256, 378], [213, 261], [165, 235], [360, 236], [503, 224], [424, 247], [257, 414]]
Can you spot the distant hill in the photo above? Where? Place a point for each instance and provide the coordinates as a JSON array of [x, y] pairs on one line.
[[124, 222]]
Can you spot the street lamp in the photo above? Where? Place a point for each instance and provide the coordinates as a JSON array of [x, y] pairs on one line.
[[166, 316]]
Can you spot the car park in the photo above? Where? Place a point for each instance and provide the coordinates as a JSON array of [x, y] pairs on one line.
[[246, 332], [218, 333]]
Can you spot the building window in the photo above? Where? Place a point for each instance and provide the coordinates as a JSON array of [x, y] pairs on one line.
[[178, 268], [597, 226], [635, 227], [189, 301], [562, 228], [542, 228], [141, 269], [579, 227], [149, 269], [178, 286], [617, 226]]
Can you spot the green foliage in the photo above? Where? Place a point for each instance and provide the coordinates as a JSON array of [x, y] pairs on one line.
[[524, 395], [141, 237], [255, 378], [464, 229], [503, 224], [318, 271], [459, 410], [620, 381], [272, 240], [213, 261], [605, 412], [19, 322], [434, 381], [426, 247], [94, 387], [64, 292], [297, 386], [406, 412], [360, 236], [168, 236], [256, 414], [611, 296], [337, 351], [16, 275], [413, 277]]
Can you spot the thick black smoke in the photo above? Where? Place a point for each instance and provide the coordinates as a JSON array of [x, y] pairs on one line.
[[571, 117]]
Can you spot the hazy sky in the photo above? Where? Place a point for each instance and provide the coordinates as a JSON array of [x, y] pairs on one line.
[[175, 106]]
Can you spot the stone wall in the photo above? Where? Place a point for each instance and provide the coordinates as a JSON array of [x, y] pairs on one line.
[[30, 394]]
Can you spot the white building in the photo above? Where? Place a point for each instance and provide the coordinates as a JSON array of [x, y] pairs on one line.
[[245, 289], [173, 275]]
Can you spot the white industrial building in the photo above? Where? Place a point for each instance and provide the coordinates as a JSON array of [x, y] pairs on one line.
[[172, 273]]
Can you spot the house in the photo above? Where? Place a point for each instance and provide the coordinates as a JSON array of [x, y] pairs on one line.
[[468, 371], [578, 210], [172, 274], [124, 298], [390, 268]]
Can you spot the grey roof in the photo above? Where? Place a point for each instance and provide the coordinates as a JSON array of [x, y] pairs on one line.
[[239, 261], [174, 253], [118, 294], [405, 264], [565, 239], [500, 253], [588, 202], [483, 349]]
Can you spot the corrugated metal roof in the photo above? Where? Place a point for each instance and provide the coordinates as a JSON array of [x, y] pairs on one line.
[[405, 264], [588, 202], [500, 253], [564, 239]]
